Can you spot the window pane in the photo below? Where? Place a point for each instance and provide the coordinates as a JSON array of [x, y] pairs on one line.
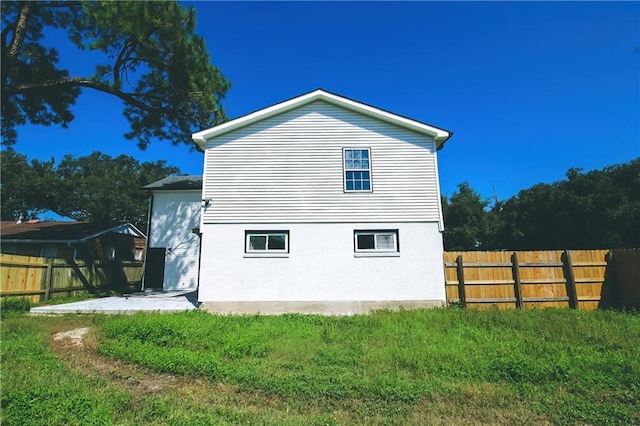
[[348, 164], [348, 154], [356, 164], [385, 242], [365, 175], [276, 242], [349, 185], [258, 242], [366, 185], [358, 185], [365, 154], [365, 242], [356, 154], [365, 164]]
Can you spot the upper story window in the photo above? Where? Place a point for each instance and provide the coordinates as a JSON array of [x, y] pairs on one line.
[[357, 169], [267, 242]]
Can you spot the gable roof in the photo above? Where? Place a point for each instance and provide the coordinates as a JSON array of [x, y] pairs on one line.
[[62, 232], [176, 182], [440, 136]]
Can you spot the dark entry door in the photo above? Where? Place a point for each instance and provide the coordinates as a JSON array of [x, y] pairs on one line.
[[154, 268]]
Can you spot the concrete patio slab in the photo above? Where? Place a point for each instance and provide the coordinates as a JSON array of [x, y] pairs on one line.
[[127, 304]]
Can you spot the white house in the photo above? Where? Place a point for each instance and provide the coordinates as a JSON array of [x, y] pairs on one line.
[[173, 251], [320, 204]]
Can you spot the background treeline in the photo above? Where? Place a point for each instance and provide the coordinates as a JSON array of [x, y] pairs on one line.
[[597, 209], [95, 187]]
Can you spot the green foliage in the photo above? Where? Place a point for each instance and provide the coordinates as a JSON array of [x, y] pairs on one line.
[[571, 366], [24, 190], [96, 187], [597, 209], [468, 224], [442, 366], [153, 61], [14, 305]]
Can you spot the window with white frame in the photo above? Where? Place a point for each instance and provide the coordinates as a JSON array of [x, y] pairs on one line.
[[357, 169], [267, 241], [376, 241]]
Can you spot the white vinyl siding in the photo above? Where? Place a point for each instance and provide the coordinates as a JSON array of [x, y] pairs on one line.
[[174, 215], [289, 169]]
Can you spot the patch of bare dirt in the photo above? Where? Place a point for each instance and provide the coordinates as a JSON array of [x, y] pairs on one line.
[[78, 348]]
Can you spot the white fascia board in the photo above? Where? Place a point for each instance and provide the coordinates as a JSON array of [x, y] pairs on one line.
[[126, 228], [438, 135]]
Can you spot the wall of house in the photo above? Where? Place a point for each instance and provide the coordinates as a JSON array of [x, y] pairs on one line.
[[174, 215], [289, 168], [321, 273]]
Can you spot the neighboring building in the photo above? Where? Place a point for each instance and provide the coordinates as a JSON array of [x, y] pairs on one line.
[[87, 241], [174, 241], [316, 204]]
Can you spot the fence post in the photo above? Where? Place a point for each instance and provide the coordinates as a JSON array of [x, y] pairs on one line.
[[517, 284], [611, 284], [570, 278], [461, 293], [48, 280]]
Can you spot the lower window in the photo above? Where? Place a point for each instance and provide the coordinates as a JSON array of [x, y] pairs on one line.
[[267, 242], [376, 241]]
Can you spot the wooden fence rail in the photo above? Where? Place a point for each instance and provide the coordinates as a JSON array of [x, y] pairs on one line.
[[41, 279], [584, 279]]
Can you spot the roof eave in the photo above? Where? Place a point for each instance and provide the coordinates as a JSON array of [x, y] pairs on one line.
[[439, 136], [135, 232]]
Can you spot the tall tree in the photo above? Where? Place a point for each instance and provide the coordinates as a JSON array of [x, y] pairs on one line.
[[468, 224], [598, 209], [96, 187], [24, 186], [153, 61]]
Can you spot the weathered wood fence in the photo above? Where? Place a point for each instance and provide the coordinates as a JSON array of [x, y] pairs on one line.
[[584, 279], [41, 279]]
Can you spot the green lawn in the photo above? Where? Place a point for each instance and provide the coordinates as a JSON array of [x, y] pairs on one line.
[[440, 366]]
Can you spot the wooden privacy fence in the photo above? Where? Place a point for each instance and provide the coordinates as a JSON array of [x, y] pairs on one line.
[[40, 279], [584, 279]]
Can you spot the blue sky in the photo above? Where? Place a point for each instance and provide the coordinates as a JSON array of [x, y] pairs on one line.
[[529, 89]]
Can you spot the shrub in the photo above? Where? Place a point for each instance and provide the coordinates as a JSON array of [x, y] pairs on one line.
[[14, 304]]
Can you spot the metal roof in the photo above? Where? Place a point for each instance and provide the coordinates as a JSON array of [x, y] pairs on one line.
[[62, 232]]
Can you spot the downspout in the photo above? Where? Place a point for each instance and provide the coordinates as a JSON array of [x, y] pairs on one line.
[[199, 262], [146, 246]]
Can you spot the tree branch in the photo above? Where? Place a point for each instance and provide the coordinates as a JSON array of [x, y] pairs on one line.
[[81, 82], [21, 29]]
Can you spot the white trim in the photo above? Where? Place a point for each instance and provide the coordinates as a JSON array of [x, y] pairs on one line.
[[438, 135], [439, 192], [377, 254], [265, 255], [267, 250], [361, 169]]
